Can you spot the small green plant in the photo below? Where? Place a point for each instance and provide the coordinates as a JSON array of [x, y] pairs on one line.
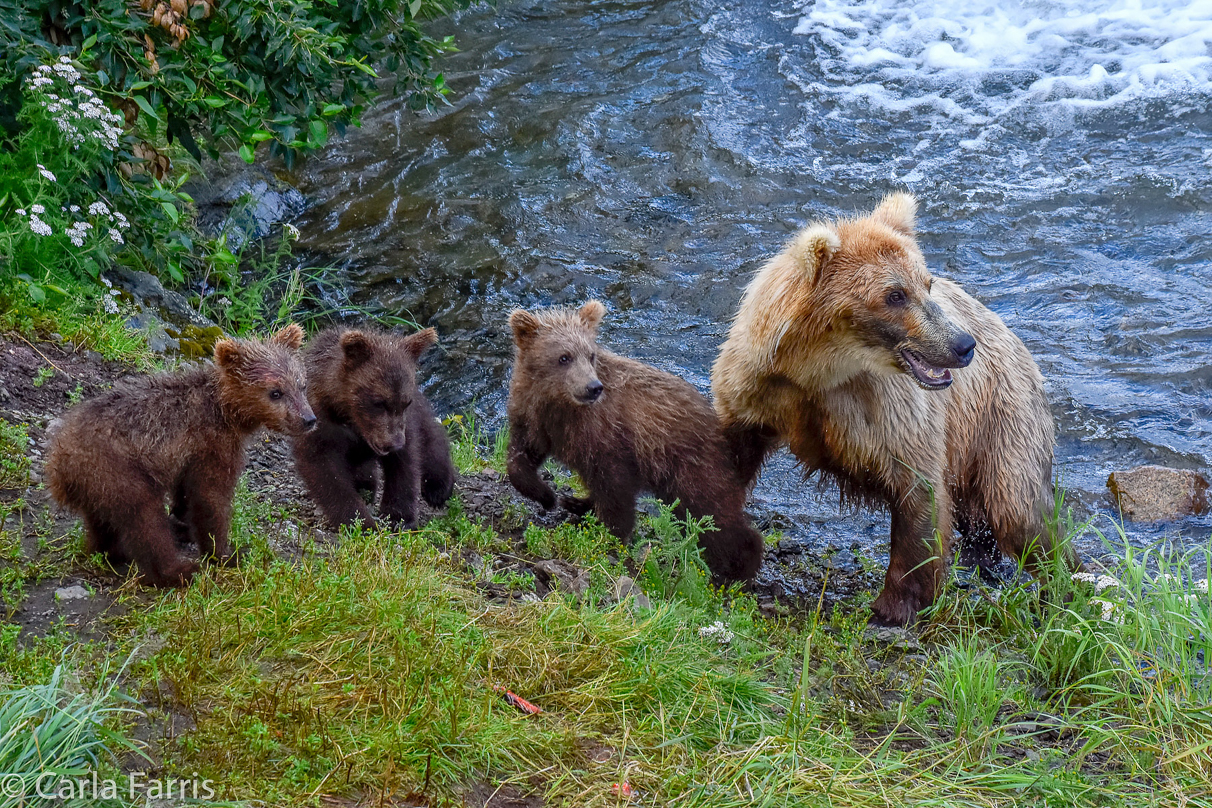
[[968, 681], [514, 580], [14, 463], [673, 563], [43, 375], [75, 395]]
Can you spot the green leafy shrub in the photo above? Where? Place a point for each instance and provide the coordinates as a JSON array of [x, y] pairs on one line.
[[215, 75]]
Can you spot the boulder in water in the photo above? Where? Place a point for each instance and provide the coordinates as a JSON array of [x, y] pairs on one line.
[[1155, 493]]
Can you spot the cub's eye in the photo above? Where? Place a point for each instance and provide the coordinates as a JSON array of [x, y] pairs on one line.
[[565, 359], [895, 298], [380, 405], [275, 394], [407, 403]]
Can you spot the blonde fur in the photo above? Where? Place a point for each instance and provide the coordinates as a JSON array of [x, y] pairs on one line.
[[796, 370]]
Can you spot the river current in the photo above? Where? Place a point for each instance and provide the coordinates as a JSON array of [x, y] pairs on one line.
[[653, 154]]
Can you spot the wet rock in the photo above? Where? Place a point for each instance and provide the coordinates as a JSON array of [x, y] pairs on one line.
[[74, 592], [625, 588], [242, 202], [489, 474], [147, 288], [571, 579], [892, 637], [1154, 493]]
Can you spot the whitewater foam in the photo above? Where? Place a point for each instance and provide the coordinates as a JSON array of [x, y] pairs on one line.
[[986, 58]]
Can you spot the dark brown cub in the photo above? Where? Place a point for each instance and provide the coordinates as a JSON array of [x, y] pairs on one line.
[[624, 427], [372, 417], [180, 438]]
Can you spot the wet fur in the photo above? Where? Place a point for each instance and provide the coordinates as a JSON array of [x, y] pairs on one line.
[[355, 444], [809, 362], [649, 431], [175, 437]]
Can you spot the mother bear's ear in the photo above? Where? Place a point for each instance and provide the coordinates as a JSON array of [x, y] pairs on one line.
[[813, 248], [898, 211]]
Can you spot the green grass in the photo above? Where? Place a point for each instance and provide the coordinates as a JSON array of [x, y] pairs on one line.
[[57, 728], [14, 462], [368, 670]]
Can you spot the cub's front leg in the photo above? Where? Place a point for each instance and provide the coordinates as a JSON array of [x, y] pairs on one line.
[[523, 463]]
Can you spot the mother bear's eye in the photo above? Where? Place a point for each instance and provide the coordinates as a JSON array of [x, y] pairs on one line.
[[565, 359], [895, 298]]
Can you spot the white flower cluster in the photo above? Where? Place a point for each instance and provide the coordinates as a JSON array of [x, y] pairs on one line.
[[79, 114], [77, 232], [108, 303], [717, 631], [1100, 582]]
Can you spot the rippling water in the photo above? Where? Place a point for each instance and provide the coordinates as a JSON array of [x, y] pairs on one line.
[[654, 154]]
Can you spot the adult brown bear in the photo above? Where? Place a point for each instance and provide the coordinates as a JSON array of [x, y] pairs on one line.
[[848, 350]]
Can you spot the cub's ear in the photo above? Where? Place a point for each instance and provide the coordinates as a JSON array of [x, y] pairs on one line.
[[525, 327], [813, 248], [357, 349], [898, 211], [290, 337], [592, 313], [229, 355], [415, 344]]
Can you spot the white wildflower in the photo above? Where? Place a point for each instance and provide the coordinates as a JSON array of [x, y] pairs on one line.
[[42, 69], [109, 284], [1201, 586], [1110, 611], [65, 70], [1100, 582], [98, 209], [36, 208], [44, 171], [39, 227], [74, 208], [20, 211], [77, 232], [223, 301], [115, 235], [122, 222], [717, 631], [110, 306], [291, 230]]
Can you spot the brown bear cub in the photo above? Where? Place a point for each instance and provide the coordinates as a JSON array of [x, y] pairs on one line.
[[899, 386], [624, 427], [372, 418], [180, 438]]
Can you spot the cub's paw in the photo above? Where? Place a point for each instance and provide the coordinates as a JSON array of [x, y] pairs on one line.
[[577, 506]]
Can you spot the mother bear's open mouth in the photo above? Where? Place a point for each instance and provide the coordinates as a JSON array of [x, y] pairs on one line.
[[926, 374]]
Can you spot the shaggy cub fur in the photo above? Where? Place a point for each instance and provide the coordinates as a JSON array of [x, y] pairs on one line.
[[373, 420], [624, 427], [178, 437]]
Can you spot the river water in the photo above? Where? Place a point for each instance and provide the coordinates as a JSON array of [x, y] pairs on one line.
[[653, 154]]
